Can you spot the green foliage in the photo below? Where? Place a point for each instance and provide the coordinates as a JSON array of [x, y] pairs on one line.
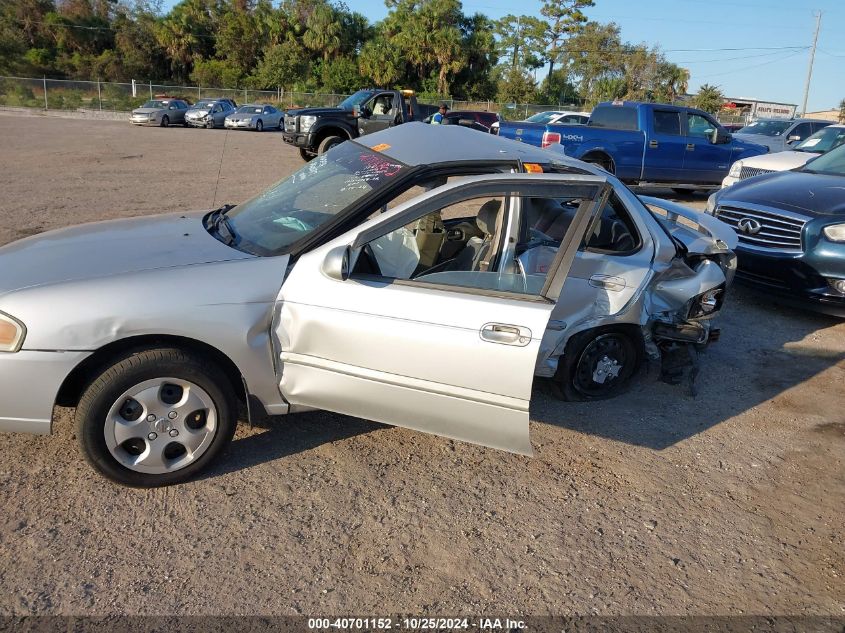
[[709, 98], [216, 73], [340, 75], [283, 65]]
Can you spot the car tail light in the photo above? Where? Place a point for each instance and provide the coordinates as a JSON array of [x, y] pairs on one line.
[[550, 138]]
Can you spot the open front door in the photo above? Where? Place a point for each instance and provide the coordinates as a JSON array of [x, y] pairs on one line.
[[418, 320]]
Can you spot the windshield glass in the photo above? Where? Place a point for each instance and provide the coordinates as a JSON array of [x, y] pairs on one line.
[[832, 163], [204, 103], [155, 104], [357, 99], [301, 203], [823, 140], [542, 117], [250, 109], [766, 128]]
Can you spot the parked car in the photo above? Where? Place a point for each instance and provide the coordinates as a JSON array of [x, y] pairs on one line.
[[209, 113], [779, 134], [732, 127], [255, 116], [552, 116], [791, 228], [822, 141], [476, 119], [307, 296], [160, 112], [315, 131], [645, 143]]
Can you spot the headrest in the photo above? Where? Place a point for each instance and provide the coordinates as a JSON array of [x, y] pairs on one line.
[[487, 216]]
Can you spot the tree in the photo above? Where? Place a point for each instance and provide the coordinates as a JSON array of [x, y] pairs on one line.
[[323, 31], [709, 98], [564, 19], [283, 65]]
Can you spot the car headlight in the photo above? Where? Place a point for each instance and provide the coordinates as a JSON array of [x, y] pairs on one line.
[[306, 123], [835, 232], [706, 303], [710, 209], [736, 168], [12, 333]]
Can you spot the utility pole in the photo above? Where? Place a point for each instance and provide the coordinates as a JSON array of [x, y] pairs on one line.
[[812, 59]]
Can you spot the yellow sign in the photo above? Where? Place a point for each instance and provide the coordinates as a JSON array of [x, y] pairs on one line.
[[533, 168], [384, 146]]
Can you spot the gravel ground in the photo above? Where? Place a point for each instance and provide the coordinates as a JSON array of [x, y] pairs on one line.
[[652, 503]]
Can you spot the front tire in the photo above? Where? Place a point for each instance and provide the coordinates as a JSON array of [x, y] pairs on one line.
[[165, 121], [306, 155], [597, 365], [327, 143], [156, 417], [259, 126]]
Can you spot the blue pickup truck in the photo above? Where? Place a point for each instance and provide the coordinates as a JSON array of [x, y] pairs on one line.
[[645, 143]]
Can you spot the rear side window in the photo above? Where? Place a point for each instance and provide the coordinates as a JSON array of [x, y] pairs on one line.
[[667, 122], [614, 117]]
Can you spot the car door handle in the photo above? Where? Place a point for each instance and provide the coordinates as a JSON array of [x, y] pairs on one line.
[[691, 147], [505, 334], [653, 144], [608, 282]]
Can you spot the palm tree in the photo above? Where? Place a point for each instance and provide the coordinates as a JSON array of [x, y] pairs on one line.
[[322, 31]]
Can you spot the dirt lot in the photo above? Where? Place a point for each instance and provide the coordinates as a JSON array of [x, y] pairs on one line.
[[653, 503]]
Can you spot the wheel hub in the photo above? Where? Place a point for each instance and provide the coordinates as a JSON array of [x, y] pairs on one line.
[[606, 368]]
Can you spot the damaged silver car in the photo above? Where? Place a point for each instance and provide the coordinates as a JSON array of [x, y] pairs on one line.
[[418, 277]]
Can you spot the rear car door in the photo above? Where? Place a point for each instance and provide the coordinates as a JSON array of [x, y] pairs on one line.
[[704, 161], [663, 157], [366, 326]]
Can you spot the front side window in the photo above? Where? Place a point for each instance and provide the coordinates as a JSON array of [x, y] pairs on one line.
[[298, 205], [506, 243], [699, 125], [381, 105], [802, 131]]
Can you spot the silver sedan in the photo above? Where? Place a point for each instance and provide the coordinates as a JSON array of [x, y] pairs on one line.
[[209, 113], [366, 284], [161, 112], [258, 117]]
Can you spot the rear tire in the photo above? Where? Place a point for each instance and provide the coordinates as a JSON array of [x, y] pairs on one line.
[[605, 354], [327, 143], [156, 417]]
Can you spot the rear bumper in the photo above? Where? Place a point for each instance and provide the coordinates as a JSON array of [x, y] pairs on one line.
[[29, 383]]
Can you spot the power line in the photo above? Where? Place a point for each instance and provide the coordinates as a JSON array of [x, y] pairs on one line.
[[744, 68]]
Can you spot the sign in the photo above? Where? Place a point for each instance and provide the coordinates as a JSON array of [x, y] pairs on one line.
[[773, 111]]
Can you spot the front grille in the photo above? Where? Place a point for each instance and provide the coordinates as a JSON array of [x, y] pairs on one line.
[[767, 230], [750, 172], [290, 124]]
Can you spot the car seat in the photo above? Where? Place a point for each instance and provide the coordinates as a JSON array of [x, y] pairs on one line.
[[478, 250]]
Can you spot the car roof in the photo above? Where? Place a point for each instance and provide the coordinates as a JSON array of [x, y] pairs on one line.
[[421, 144]]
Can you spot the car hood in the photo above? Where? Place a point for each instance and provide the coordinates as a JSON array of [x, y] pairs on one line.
[[318, 112], [202, 111], [779, 161], [762, 139], [809, 194], [102, 249], [146, 110]]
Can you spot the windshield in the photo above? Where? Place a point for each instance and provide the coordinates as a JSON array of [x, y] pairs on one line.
[[155, 104], [766, 128], [822, 141], [250, 109], [359, 98], [205, 103], [832, 163], [542, 117], [303, 202]]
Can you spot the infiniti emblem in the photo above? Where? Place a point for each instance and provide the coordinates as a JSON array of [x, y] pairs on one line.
[[749, 226]]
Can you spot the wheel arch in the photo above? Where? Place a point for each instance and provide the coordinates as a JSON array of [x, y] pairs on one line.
[[87, 371], [599, 156], [331, 130]]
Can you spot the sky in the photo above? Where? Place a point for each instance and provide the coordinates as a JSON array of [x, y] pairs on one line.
[[696, 33]]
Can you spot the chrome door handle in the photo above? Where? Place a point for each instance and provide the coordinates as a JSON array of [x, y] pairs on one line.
[[652, 144], [691, 147], [505, 334]]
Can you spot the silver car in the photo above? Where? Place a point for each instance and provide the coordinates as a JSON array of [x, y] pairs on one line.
[[209, 113], [161, 112], [255, 116], [417, 277]]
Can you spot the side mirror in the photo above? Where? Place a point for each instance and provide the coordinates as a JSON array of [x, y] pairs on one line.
[[336, 264], [793, 138]]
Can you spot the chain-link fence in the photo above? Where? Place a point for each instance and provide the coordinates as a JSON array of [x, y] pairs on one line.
[[68, 95]]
